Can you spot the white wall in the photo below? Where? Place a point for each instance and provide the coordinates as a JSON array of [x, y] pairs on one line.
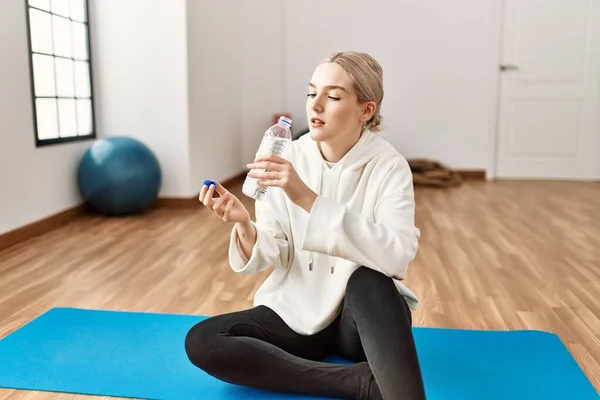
[[34, 182], [262, 75], [140, 66], [440, 68], [170, 75], [215, 67]]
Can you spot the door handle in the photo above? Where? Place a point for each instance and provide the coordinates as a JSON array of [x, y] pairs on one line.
[[508, 67]]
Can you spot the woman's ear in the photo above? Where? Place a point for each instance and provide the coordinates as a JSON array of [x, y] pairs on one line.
[[367, 111]]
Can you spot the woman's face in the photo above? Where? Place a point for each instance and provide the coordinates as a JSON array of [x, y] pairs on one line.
[[332, 107]]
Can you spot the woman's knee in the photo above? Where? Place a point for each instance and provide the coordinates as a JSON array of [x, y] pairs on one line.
[[364, 279], [202, 346], [369, 288]]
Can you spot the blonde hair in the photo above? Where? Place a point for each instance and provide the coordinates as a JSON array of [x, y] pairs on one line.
[[367, 76]]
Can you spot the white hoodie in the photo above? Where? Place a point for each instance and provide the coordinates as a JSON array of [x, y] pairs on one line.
[[363, 215]]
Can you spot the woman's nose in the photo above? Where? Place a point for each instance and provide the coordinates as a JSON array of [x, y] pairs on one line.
[[316, 105]]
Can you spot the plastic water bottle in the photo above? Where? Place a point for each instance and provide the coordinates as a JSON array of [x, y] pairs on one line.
[[275, 141]]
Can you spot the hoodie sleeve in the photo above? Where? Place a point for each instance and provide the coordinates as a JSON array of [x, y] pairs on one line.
[[272, 247], [386, 244]]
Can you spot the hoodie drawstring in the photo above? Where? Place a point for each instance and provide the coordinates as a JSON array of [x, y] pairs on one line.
[[318, 190], [338, 176]]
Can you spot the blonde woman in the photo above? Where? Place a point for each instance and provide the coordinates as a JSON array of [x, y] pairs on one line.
[[338, 230]]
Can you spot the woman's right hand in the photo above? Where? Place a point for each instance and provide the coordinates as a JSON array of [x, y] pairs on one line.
[[226, 207]]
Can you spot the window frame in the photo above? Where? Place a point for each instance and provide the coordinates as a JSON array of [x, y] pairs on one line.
[[30, 53]]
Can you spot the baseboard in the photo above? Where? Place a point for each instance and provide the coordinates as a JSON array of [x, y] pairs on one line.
[[193, 201], [40, 227], [472, 174]]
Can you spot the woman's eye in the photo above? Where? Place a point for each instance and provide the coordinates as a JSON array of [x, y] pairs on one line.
[[329, 97]]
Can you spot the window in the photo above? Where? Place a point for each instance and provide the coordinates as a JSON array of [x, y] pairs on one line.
[[60, 70]]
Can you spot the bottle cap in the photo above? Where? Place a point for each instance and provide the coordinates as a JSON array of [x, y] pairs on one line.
[[286, 120]]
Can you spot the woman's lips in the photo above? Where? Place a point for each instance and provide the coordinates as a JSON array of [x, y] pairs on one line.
[[316, 122]]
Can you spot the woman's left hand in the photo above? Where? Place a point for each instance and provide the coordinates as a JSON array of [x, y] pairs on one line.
[[281, 173]]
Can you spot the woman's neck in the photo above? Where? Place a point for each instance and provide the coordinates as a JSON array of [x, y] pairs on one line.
[[334, 150]]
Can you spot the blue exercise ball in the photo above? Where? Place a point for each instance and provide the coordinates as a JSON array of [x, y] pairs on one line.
[[119, 176]]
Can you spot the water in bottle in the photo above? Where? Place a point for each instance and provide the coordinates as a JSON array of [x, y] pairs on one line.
[[275, 141]]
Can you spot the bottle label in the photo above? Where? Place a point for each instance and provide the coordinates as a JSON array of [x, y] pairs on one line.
[[273, 145]]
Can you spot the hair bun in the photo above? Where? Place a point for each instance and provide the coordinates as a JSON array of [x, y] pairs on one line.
[[375, 122]]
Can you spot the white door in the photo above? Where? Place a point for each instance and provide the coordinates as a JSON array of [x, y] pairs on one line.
[[549, 90]]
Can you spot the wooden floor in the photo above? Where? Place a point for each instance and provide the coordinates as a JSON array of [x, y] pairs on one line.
[[507, 255]]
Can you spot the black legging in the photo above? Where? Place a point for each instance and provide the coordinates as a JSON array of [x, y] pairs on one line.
[[256, 348]]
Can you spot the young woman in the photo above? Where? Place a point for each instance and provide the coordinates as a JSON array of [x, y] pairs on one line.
[[338, 230]]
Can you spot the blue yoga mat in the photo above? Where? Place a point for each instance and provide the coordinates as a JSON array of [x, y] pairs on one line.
[[141, 355]]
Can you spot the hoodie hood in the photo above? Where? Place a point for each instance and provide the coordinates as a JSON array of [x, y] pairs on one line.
[[366, 149]]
